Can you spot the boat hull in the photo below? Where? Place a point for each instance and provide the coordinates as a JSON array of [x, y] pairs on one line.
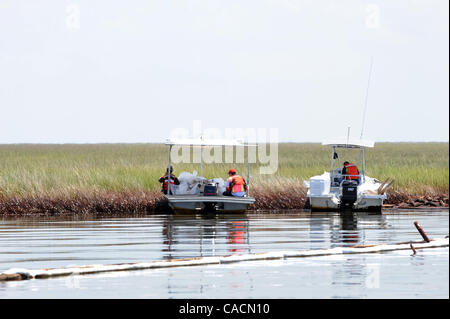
[[199, 203], [330, 202]]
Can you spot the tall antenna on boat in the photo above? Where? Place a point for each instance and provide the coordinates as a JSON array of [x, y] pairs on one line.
[[348, 134], [367, 94]]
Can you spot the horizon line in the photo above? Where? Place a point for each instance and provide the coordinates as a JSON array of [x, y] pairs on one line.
[[162, 142]]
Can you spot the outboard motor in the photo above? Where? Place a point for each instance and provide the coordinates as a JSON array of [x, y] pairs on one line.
[[349, 194], [210, 190]]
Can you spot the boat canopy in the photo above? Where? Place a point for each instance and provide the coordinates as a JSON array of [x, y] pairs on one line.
[[349, 143], [206, 142]]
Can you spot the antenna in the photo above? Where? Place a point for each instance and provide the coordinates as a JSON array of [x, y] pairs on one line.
[[365, 103], [348, 134]]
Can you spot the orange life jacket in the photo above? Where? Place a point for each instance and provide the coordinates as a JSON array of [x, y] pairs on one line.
[[166, 178], [238, 184], [351, 172]]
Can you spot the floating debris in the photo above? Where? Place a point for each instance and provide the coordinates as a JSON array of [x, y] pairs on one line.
[[413, 249]]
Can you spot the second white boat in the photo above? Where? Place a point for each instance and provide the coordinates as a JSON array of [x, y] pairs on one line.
[[336, 191]]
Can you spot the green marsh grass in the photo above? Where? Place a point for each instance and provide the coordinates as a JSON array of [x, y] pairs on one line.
[[69, 169]]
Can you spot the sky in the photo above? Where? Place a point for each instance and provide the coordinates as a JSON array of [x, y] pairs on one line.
[[108, 71]]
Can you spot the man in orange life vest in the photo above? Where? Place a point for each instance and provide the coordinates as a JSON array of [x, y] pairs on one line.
[[165, 179], [351, 171], [235, 184]]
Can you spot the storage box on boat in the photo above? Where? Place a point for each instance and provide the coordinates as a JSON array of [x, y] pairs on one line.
[[319, 186]]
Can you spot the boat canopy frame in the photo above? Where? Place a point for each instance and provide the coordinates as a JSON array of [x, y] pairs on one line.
[[201, 142], [349, 144]]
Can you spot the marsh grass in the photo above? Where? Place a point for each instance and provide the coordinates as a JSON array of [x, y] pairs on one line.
[[67, 170]]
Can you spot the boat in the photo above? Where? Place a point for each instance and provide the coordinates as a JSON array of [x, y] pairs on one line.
[[332, 191], [208, 198]]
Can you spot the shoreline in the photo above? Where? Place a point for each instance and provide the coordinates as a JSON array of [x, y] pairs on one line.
[[153, 202]]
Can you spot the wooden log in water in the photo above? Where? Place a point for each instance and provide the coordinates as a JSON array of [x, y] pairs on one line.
[[421, 231], [413, 249]]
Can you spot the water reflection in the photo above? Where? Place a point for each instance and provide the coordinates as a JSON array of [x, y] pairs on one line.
[[347, 232], [204, 235], [354, 273], [349, 229], [51, 242], [212, 235], [237, 236]]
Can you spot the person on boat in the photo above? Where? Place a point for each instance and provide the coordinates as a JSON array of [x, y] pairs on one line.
[[235, 185], [350, 172], [165, 179]]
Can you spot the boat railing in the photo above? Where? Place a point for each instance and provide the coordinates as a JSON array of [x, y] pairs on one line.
[[337, 178]]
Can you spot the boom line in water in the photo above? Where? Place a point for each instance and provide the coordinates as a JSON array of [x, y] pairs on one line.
[[24, 274]]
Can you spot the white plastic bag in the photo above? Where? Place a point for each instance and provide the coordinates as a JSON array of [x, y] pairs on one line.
[[182, 189], [194, 190], [189, 183]]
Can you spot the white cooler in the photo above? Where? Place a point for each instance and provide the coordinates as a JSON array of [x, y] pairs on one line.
[[318, 186]]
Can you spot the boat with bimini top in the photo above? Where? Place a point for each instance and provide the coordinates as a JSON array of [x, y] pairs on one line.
[[346, 188], [201, 194]]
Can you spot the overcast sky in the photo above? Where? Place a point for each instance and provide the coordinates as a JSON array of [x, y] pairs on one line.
[[79, 71]]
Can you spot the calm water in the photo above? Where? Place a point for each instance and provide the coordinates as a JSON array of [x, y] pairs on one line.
[[46, 243]]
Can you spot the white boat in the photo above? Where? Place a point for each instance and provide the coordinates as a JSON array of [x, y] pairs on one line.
[[332, 191], [208, 202]]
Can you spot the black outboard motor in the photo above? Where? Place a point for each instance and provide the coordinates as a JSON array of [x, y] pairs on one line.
[[210, 190], [349, 194]]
